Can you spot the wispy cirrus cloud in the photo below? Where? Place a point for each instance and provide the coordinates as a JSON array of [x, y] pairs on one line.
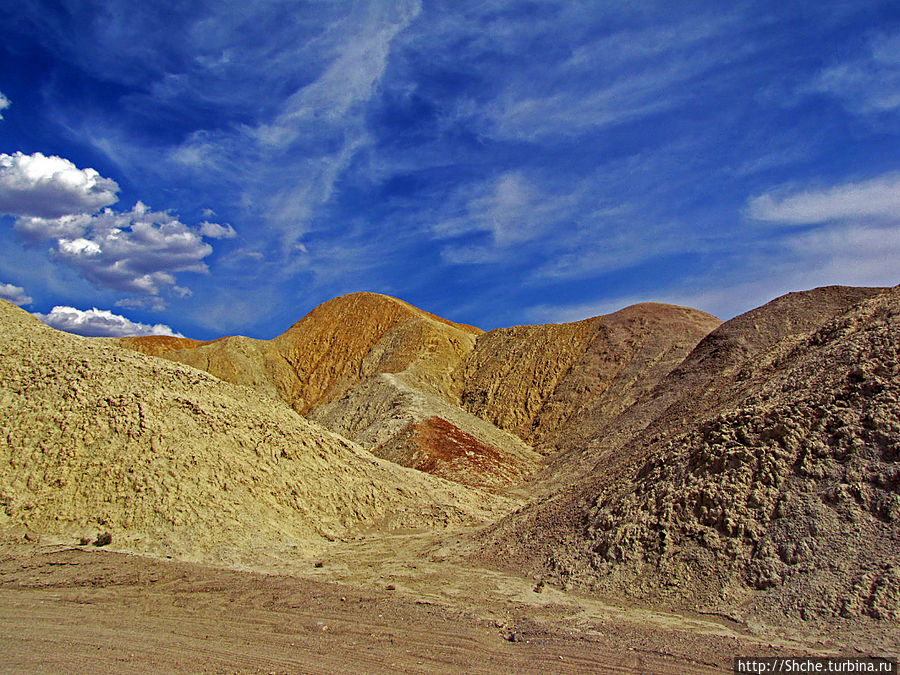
[[617, 76], [4, 104], [847, 233], [293, 155], [877, 198], [509, 212], [555, 229], [852, 232], [610, 242], [100, 323], [512, 208], [868, 84], [271, 104]]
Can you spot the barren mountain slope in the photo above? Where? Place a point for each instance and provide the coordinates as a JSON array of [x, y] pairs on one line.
[[380, 372], [553, 385], [167, 458], [156, 345], [392, 377], [697, 387], [345, 340], [397, 421], [559, 381], [783, 502], [333, 347]]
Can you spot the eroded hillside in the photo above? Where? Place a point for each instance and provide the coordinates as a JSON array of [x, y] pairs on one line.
[[768, 487], [746, 469], [168, 458], [557, 385], [476, 408]]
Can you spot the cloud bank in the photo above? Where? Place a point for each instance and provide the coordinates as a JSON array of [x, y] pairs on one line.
[[100, 323], [14, 294]]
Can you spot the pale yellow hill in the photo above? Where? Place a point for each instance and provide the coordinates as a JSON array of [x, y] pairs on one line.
[[156, 345], [170, 459]]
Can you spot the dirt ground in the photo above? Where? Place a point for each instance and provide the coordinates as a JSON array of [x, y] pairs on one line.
[[379, 604]]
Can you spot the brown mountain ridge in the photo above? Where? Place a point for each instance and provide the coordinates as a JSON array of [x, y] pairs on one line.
[[409, 386]]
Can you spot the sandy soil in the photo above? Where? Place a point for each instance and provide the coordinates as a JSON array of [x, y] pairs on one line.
[[385, 604]]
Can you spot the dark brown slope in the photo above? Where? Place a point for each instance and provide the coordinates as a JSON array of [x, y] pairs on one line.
[[781, 499], [441, 448], [558, 384], [696, 387]]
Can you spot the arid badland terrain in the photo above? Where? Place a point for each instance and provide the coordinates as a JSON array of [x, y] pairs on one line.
[[379, 489]]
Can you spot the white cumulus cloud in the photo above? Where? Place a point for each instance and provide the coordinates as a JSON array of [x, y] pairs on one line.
[[14, 294], [4, 104], [137, 251], [878, 198], [41, 229], [216, 231], [100, 323], [50, 187]]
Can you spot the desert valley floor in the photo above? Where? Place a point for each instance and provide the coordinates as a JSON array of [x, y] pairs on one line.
[[67, 609], [382, 490]]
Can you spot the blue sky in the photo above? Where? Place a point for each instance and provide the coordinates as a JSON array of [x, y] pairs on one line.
[[222, 167]]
